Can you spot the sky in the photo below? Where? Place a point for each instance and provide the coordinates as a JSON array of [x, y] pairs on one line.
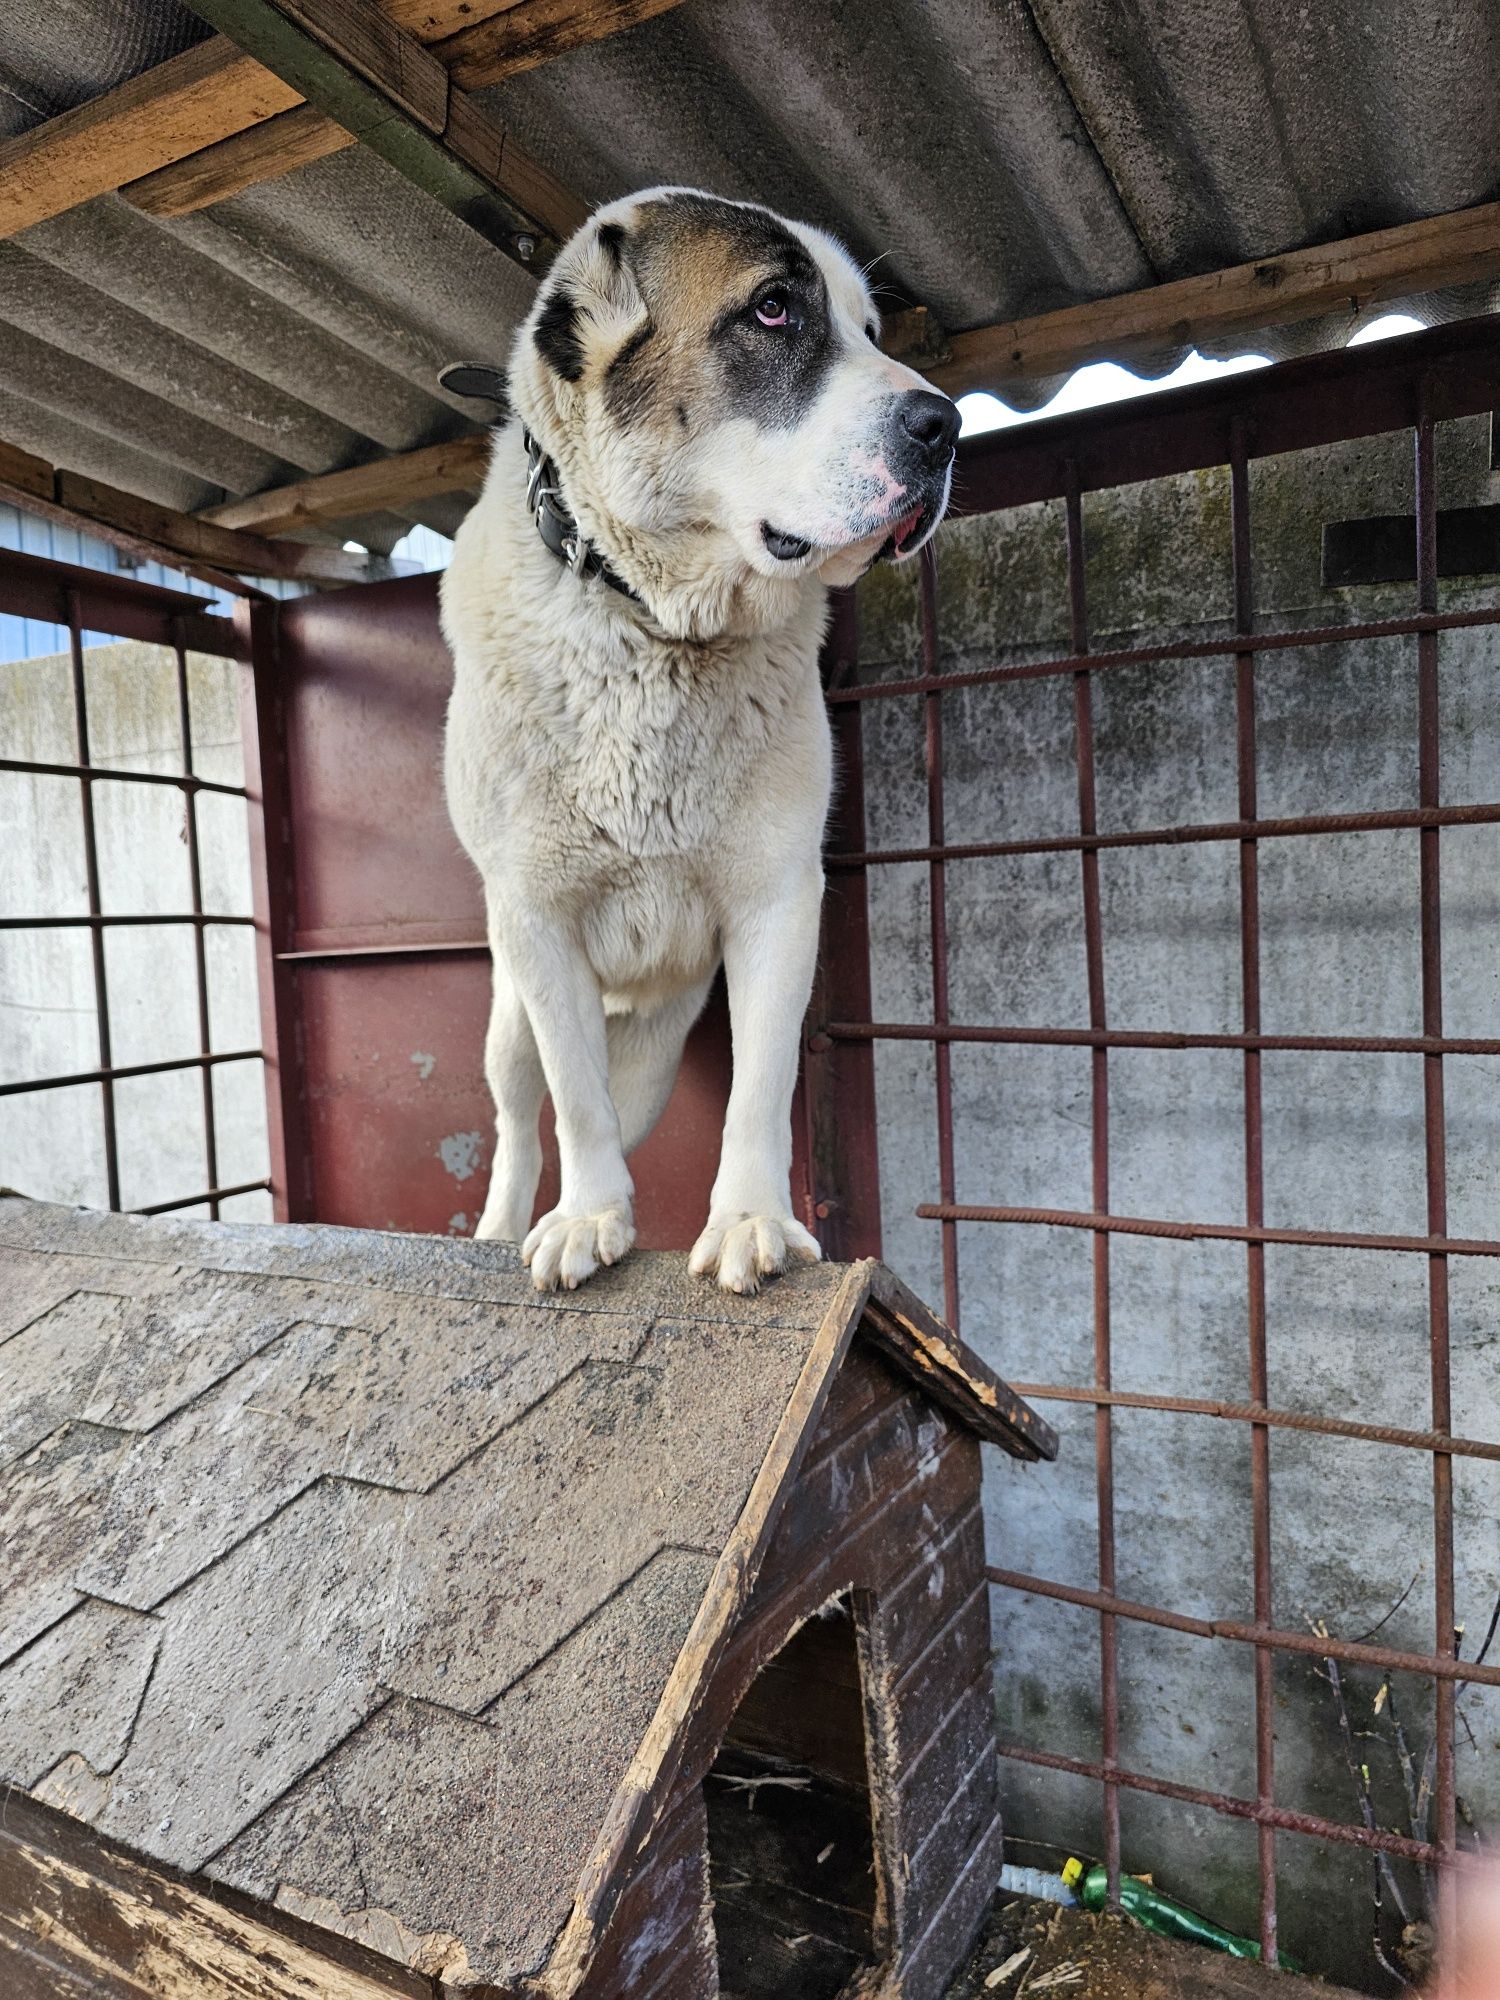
[[1106, 382]]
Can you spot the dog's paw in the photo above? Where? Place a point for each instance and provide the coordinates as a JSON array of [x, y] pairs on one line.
[[565, 1249], [740, 1250]]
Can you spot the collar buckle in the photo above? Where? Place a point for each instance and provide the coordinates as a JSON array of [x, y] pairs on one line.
[[555, 524]]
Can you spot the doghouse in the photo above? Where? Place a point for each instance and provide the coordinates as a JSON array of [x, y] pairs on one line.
[[374, 1626]]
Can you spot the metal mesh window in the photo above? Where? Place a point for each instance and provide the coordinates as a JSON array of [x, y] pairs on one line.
[[131, 1073]]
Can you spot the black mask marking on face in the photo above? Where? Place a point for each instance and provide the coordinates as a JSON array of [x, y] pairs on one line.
[[557, 338]]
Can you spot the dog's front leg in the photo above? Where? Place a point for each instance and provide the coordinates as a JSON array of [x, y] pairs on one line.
[[769, 956], [593, 1222]]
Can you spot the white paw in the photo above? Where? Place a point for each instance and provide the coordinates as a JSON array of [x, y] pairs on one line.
[[740, 1250], [565, 1249]]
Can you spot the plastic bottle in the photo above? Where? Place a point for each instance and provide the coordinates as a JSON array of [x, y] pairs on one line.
[[1035, 1882], [1155, 1912]]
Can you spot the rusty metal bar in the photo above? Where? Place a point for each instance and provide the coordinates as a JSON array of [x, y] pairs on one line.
[[92, 773], [1152, 1038], [1397, 820], [85, 775], [937, 892], [213, 1196], [1391, 1659], [1261, 1413], [1429, 792], [273, 878], [1211, 1232], [1093, 933], [1168, 654], [1311, 1824], [84, 1076], [1255, 1252], [107, 922], [195, 886]]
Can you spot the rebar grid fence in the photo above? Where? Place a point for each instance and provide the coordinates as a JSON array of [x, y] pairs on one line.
[[87, 603], [1421, 382]]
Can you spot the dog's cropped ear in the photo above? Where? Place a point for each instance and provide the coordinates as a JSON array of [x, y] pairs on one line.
[[473, 378], [592, 303]]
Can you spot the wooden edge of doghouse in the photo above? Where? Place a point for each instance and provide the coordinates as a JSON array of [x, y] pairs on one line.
[[921, 1346], [82, 1890], [648, 1781]]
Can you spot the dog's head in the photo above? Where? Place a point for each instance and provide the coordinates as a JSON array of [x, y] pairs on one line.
[[707, 378]]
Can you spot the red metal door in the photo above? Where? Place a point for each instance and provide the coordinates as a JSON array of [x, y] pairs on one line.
[[377, 924]]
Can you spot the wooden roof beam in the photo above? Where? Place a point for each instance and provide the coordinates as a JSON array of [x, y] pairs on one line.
[[191, 101], [380, 84], [217, 118], [503, 41], [162, 534], [1347, 276], [455, 467]]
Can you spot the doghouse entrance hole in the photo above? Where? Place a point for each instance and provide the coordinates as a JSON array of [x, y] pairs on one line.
[[790, 1842]]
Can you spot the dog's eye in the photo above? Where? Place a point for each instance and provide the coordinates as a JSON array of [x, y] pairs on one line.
[[870, 333], [773, 309]]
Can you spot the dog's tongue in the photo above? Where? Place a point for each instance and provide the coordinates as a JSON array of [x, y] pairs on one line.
[[906, 527]]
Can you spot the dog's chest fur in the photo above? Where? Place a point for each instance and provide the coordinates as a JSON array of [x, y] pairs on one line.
[[599, 768]]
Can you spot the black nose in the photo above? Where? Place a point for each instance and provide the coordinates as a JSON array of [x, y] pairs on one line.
[[932, 421]]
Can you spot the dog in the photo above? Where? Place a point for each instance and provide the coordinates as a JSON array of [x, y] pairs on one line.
[[703, 436]]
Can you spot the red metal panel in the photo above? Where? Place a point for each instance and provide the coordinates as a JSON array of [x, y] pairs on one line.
[[385, 963]]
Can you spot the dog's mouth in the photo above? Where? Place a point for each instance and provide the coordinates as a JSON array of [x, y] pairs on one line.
[[910, 528], [903, 533], [785, 547]]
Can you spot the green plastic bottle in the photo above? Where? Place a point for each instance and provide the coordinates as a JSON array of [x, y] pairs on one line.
[[1155, 1912]]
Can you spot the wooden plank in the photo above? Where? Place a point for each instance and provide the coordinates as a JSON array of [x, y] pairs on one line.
[[132, 544], [189, 102], [125, 1930], [431, 20], [1346, 276], [261, 153], [92, 500], [520, 35], [455, 467], [382, 86], [932, 1355], [537, 31], [162, 534], [24, 473], [360, 34]]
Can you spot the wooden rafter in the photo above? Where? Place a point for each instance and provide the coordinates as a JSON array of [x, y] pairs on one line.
[[202, 548], [216, 119], [482, 43], [191, 101], [457, 467], [1348, 276], [379, 83]]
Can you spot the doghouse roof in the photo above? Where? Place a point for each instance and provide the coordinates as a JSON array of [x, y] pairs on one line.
[[997, 161], [337, 1565]]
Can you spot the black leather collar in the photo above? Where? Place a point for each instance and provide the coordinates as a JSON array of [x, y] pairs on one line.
[[557, 527]]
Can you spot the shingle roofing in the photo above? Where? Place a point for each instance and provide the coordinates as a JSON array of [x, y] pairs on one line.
[[341, 1564], [998, 157]]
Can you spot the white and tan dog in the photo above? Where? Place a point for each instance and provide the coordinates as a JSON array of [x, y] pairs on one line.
[[704, 435]]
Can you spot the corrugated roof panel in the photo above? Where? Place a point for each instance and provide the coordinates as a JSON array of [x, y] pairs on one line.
[[990, 158]]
